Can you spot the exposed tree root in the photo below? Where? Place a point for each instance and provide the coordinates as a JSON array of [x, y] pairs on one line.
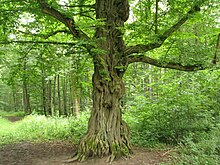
[[71, 160], [103, 144]]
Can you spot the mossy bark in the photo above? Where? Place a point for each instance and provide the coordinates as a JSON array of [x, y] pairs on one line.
[[107, 133]]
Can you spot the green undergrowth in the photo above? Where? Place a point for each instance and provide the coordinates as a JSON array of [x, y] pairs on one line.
[[4, 126], [206, 150], [41, 128], [11, 113]]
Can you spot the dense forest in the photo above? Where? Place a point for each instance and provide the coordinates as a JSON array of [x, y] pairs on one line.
[[140, 73]]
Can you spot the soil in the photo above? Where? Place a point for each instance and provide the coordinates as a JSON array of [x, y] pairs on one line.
[[55, 153]]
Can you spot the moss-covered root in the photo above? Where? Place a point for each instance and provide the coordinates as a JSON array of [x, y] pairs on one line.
[[92, 146]]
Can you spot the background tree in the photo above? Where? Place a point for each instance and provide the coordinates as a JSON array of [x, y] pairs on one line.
[[100, 32]]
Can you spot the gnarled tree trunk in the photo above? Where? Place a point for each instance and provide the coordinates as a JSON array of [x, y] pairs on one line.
[[107, 133]]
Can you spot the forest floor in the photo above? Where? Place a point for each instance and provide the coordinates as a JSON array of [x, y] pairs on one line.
[[55, 153]]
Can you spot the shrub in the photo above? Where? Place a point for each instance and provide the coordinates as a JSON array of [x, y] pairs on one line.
[[205, 151]]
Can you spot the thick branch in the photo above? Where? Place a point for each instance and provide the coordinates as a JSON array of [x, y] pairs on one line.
[[37, 42], [161, 38], [69, 22], [79, 6], [46, 36], [177, 66]]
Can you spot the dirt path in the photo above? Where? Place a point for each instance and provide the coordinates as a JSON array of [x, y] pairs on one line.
[[54, 153], [13, 118]]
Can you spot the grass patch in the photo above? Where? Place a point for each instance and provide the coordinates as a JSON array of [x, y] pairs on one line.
[[4, 126], [17, 114], [41, 128]]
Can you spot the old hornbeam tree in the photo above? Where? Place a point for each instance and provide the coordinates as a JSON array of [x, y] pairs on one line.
[[107, 133]]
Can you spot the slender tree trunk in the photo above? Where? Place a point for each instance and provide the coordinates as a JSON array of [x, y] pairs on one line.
[[50, 98], [215, 59], [77, 102], [107, 133], [54, 96], [64, 96], [26, 101], [44, 95], [75, 95], [71, 94], [150, 82], [58, 95], [144, 80], [14, 91], [26, 98]]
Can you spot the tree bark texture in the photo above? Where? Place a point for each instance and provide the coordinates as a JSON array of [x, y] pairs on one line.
[[107, 133]]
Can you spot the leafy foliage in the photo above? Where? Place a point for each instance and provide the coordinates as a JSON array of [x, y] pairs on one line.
[[189, 102], [205, 151]]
